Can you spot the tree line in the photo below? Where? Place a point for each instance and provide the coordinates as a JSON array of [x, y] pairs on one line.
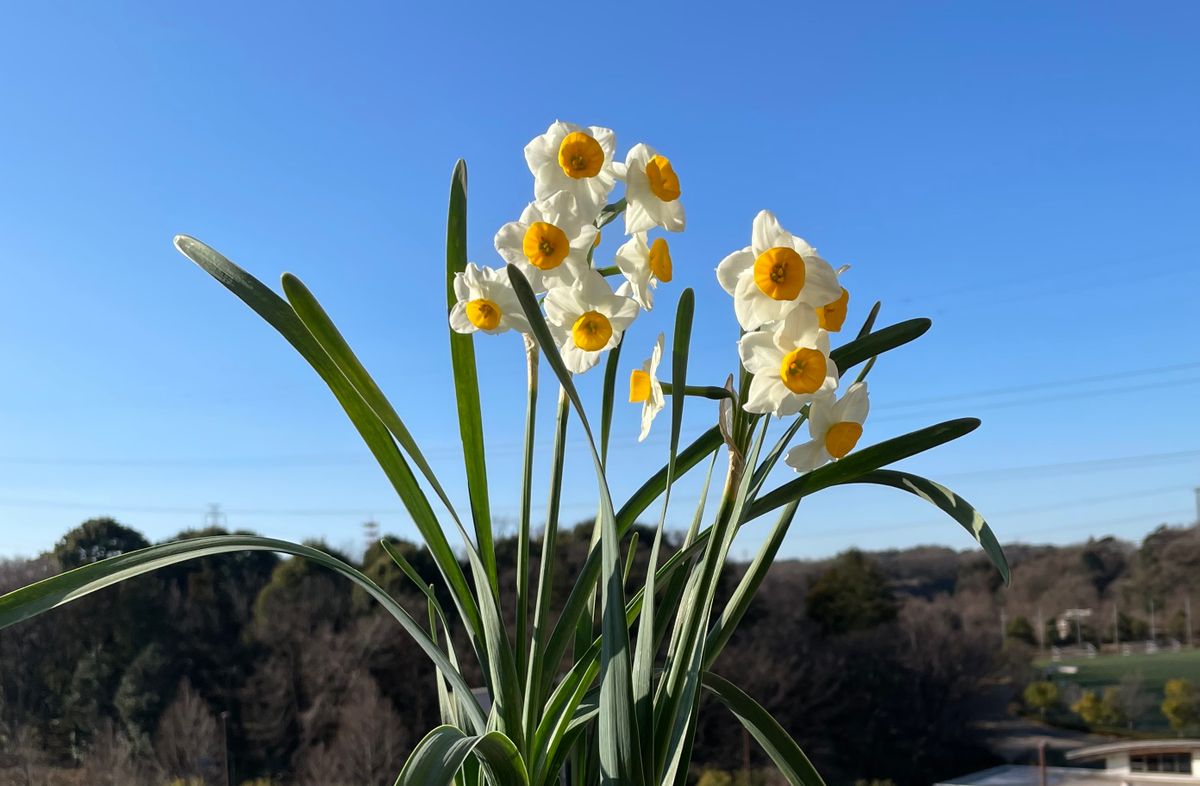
[[276, 671]]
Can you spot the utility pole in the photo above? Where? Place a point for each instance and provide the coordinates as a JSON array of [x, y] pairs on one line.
[[1003, 626], [1198, 504], [370, 532], [214, 516], [225, 744], [1116, 627]]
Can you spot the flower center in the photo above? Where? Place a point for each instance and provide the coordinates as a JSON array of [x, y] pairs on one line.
[[803, 370], [779, 273], [833, 315], [591, 331], [660, 260], [580, 155], [483, 313], [545, 245], [663, 180], [842, 437], [639, 386]]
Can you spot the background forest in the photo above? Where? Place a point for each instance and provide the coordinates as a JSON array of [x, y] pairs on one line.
[[900, 657]]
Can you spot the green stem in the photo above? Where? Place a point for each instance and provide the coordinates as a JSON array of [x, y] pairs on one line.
[[700, 391], [532, 357], [537, 682]]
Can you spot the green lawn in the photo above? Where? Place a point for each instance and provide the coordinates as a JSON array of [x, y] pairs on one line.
[[1104, 670], [1155, 669]]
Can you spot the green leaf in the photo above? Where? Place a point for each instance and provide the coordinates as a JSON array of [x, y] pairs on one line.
[[861, 462], [739, 602], [704, 445], [619, 742], [957, 507], [439, 757], [643, 662], [782, 749], [607, 398], [66, 587], [277, 313], [322, 328], [862, 349], [466, 381]]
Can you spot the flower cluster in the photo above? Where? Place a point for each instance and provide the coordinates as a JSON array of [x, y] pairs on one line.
[[787, 299], [554, 241]]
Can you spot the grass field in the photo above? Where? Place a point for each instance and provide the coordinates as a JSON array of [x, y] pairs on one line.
[[1155, 669], [1104, 670]]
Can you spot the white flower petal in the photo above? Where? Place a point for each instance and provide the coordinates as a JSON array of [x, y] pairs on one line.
[[807, 457], [820, 282], [458, 318], [854, 404], [732, 267], [759, 354], [766, 232]]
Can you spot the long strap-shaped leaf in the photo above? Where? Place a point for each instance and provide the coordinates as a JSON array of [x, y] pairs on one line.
[[439, 757], [739, 602], [619, 742], [279, 315], [781, 748], [861, 462], [499, 651], [957, 507], [466, 382], [643, 661], [74, 584]]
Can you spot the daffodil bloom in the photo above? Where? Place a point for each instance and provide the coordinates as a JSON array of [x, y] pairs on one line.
[[774, 274], [576, 160], [643, 267], [835, 427], [651, 192], [486, 301], [587, 318], [832, 316], [645, 387], [790, 364], [550, 243]]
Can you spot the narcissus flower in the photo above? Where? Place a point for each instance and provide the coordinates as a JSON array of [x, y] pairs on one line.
[[576, 160], [774, 274], [486, 301], [645, 387], [835, 427], [550, 242], [832, 316], [651, 192], [790, 364], [587, 318], [643, 267]]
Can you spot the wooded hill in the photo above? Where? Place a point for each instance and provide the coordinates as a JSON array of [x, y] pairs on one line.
[[877, 663]]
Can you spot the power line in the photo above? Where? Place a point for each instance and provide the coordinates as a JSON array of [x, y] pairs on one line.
[[1139, 372], [997, 515], [1068, 467]]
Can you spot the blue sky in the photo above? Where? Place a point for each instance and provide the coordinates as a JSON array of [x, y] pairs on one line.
[[1026, 174]]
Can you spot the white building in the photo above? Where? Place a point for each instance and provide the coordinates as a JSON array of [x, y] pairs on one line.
[[1126, 763]]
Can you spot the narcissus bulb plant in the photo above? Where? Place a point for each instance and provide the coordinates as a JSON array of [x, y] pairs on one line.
[[603, 684]]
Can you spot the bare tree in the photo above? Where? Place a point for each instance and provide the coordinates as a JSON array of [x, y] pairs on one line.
[[110, 759], [369, 745], [187, 743], [1132, 698]]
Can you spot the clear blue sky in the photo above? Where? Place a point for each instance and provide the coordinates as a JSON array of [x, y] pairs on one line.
[[1026, 174]]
